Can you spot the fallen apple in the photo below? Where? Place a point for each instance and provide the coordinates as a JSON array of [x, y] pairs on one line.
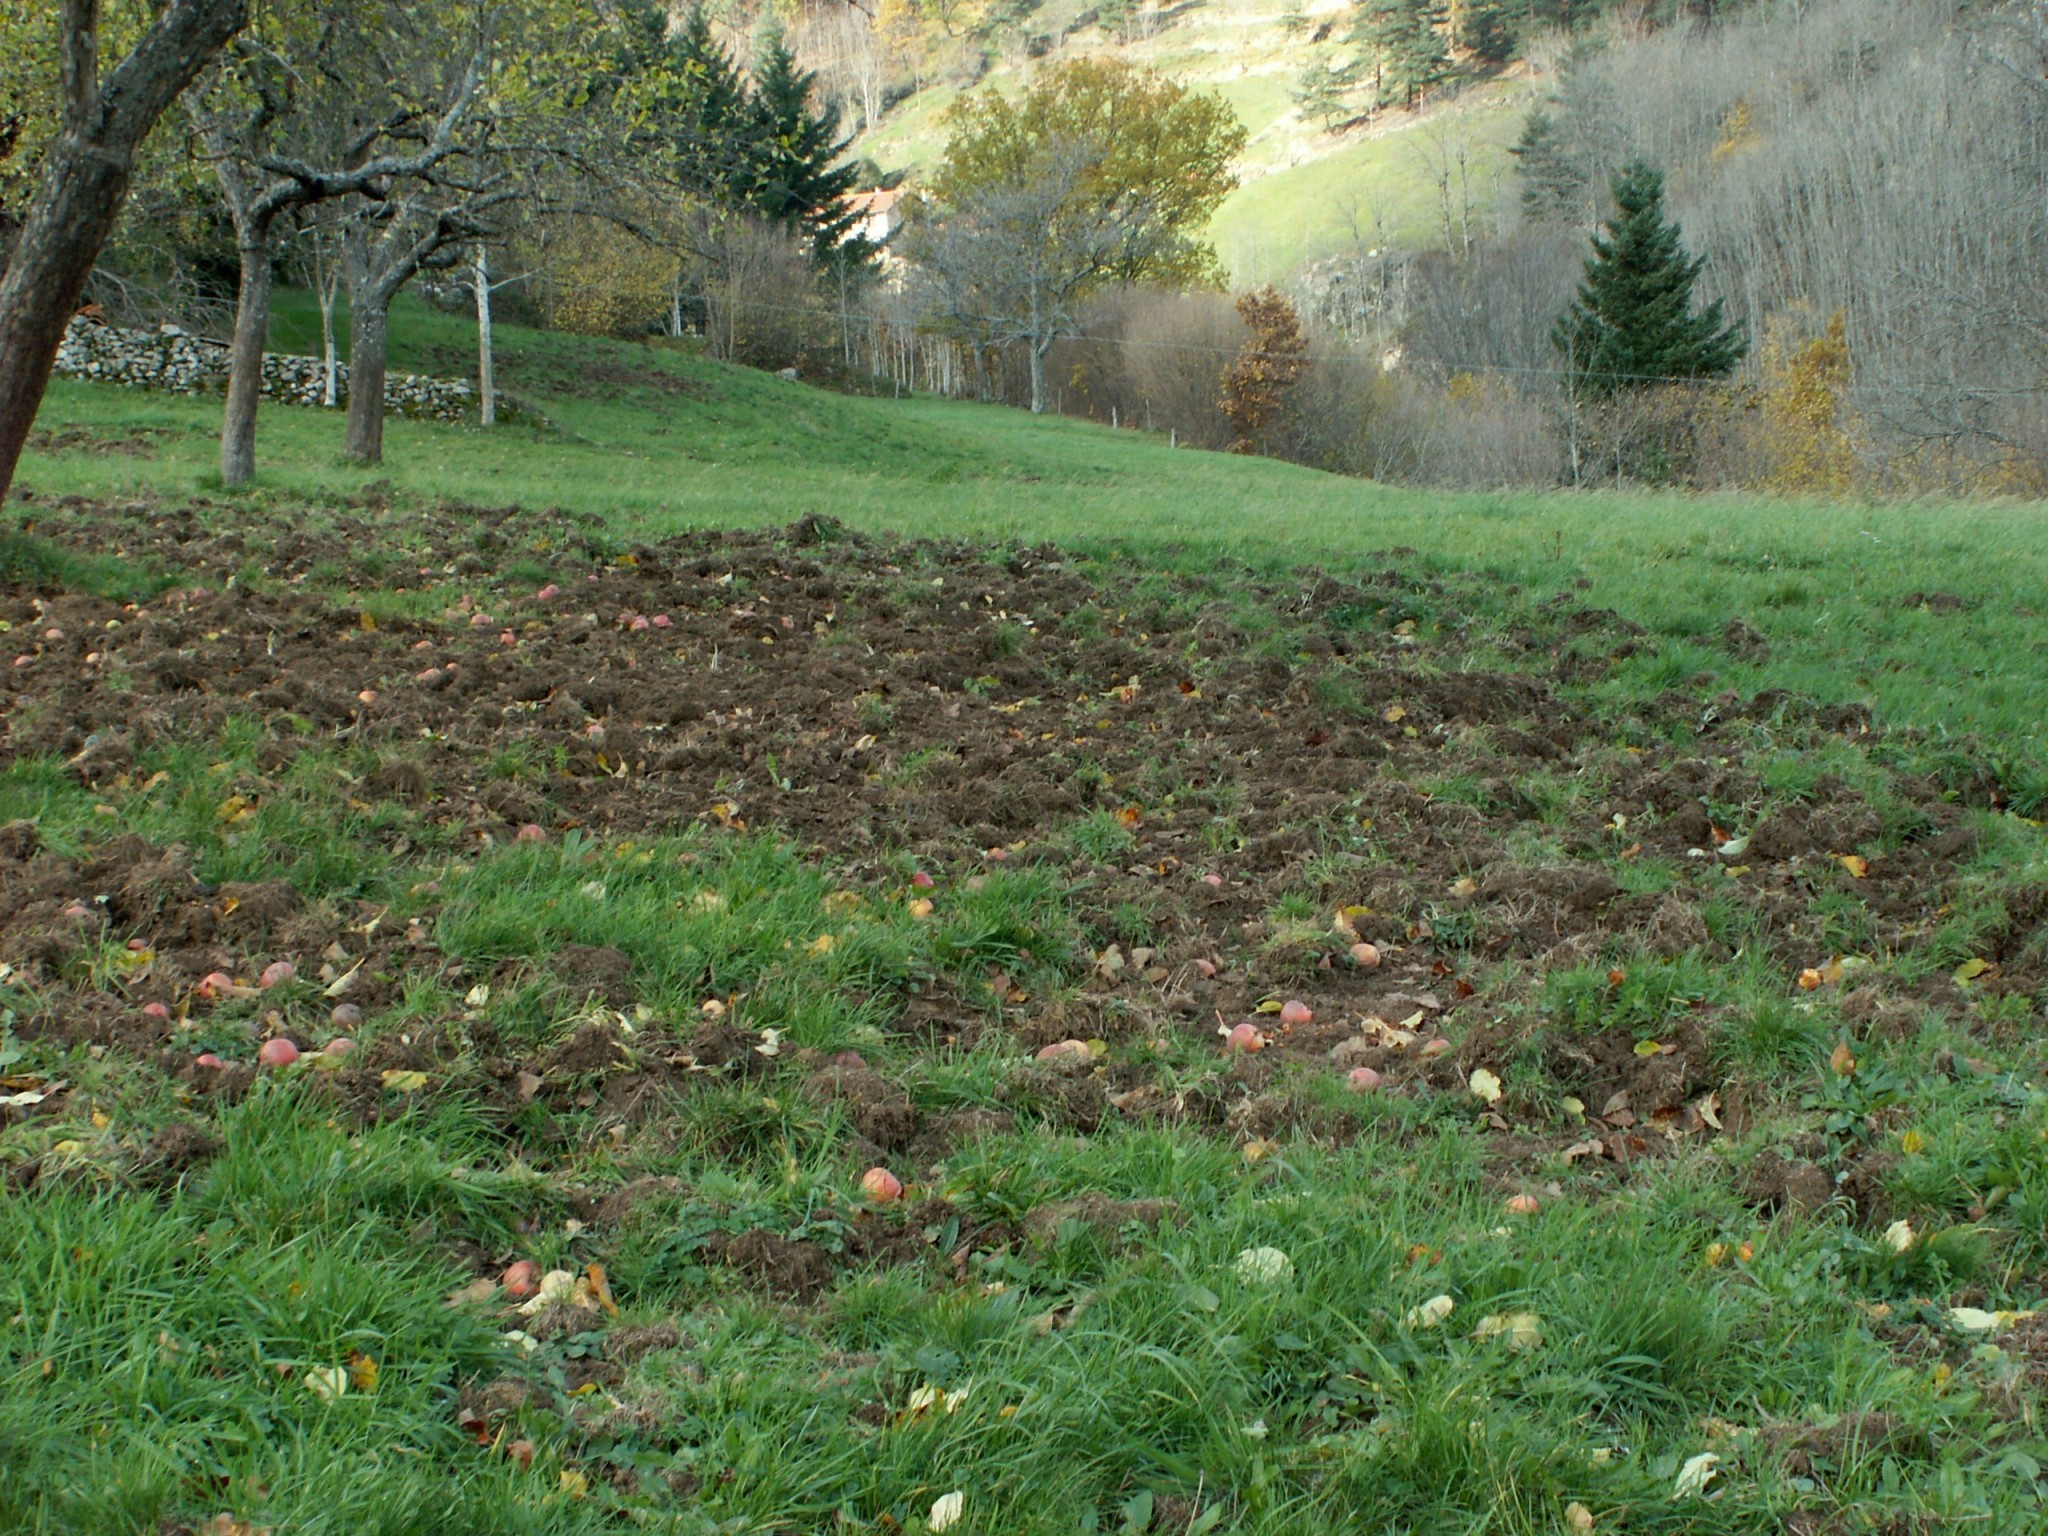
[[279, 1052], [532, 832], [881, 1186], [521, 1452], [1367, 955], [521, 1280], [1522, 1205], [1215, 880], [1244, 1037], [1295, 1012], [207, 1059], [922, 881], [1206, 969], [277, 973], [546, 592], [155, 1011], [661, 621], [346, 1016], [215, 984], [340, 1045], [1362, 1079], [849, 1059]]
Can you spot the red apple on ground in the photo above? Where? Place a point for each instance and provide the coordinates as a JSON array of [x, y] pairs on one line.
[[881, 1186], [279, 1052]]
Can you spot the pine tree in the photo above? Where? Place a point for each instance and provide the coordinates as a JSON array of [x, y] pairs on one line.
[[796, 147], [1323, 89], [1486, 31], [1553, 189], [1633, 322], [708, 120], [1406, 44]]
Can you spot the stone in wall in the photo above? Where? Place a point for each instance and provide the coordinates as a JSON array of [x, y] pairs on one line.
[[173, 359]]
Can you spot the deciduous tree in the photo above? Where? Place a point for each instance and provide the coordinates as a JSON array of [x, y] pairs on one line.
[[103, 121]]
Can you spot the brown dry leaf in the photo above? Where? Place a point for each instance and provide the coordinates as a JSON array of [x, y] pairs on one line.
[[1842, 1060], [601, 1289], [1590, 1147], [1129, 815], [529, 1084], [228, 1525]]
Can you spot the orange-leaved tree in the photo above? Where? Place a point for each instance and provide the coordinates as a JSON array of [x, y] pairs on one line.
[[1256, 383]]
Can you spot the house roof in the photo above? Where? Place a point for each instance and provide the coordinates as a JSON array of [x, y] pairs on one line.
[[878, 200]]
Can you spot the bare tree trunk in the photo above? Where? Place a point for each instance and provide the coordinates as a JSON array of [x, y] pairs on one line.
[[330, 355], [85, 185], [368, 319], [486, 365], [1038, 351], [245, 362]]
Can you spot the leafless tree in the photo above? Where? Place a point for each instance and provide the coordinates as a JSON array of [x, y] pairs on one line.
[[85, 184], [286, 133]]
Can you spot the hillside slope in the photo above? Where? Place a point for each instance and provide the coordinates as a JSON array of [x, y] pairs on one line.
[[654, 439], [1306, 193]]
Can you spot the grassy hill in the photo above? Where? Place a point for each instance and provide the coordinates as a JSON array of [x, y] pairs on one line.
[[1306, 193], [689, 972], [655, 438]]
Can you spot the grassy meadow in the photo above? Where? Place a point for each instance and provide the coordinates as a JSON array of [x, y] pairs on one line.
[[1720, 1208]]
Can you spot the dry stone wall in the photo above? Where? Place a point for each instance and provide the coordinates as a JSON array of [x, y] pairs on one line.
[[171, 358]]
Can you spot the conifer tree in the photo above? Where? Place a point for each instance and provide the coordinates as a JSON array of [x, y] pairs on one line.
[[1486, 31], [1406, 45], [1633, 322], [795, 146], [1553, 189]]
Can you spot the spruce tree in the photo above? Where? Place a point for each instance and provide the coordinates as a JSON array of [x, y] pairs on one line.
[[1633, 322], [1553, 189], [708, 120], [796, 147], [1486, 31], [1406, 44]]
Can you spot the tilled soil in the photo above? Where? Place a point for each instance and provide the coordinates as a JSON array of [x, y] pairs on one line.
[[1214, 767]]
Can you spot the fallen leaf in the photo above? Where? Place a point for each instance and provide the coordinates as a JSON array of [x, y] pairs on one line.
[[1521, 1330], [824, 942], [601, 1289], [1842, 1060], [1855, 863], [1694, 1476], [1431, 1313], [1970, 970], [362, 1370], [1485, 1086], [946, 1511], [327, 1382], [1577, 1517], [403, 1082], [1591, 1147]]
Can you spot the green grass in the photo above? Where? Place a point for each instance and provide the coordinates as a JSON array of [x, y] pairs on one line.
[[1059, 1323], [654, 439], [1306, 194]]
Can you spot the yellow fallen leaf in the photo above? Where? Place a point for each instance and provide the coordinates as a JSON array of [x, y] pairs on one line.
[[1694, 1476], [1430, 1313], [1855, 863], [574, 1483], [1577, 1517], [1648, 1047], [403, 1082], [1521, 1330], [822, 944], [362, 1370], [1912, 1142], [1970, 970], [1485, 1085], [1395, 714], [327, 1382]]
